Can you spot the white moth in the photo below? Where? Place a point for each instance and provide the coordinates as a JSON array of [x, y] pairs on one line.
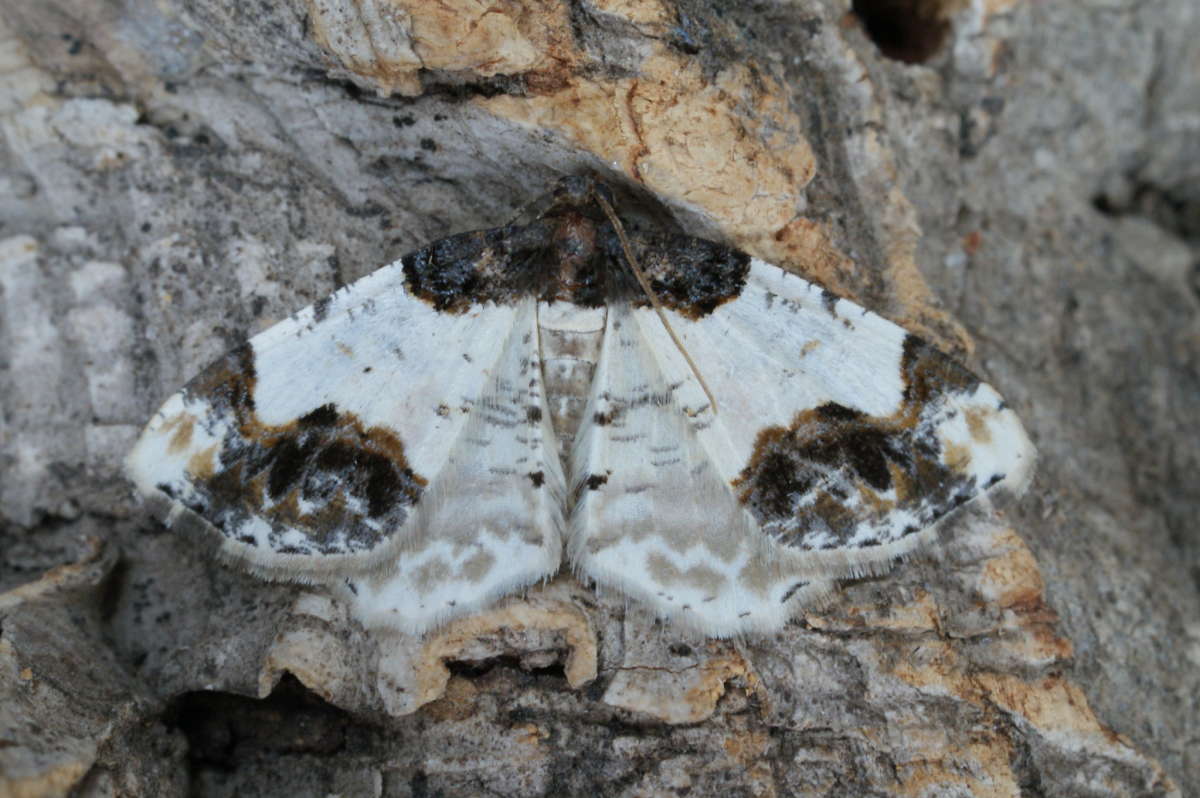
[[704, 432]]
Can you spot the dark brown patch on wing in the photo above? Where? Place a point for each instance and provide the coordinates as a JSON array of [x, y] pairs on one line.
[[691, 275], [927, 372], [572, 252], [324, 475], [228, 382], [800, 477], [466, 269]]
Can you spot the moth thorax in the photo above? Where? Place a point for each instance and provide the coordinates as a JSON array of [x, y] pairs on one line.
[[575, 250], [571, 337]]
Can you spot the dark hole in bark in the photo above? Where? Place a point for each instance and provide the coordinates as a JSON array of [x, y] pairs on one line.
[[911, 31], [224, 730], [474, 669]]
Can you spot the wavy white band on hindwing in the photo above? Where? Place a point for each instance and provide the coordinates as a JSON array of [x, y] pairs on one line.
[[655, 517], [491, 520]]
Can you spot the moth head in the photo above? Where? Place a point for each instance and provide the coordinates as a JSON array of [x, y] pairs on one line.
[[579, 190]]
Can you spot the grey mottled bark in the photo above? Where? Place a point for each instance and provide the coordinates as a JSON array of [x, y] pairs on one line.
[[176, 175]]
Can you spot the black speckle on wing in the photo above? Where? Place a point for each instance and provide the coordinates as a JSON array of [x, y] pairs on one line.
[[321, 308], [791, 591]]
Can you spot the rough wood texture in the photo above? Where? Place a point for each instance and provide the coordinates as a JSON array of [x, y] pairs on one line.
[[1021, 187]]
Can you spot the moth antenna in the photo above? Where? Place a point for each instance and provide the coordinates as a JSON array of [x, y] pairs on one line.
[[645, 284]]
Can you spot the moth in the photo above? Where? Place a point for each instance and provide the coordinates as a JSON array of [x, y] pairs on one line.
[[706, 433]]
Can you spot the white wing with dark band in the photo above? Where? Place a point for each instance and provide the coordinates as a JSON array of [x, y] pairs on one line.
[[336, 443]]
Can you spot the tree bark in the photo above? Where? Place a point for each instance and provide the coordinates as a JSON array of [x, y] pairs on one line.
[[1014, 180]]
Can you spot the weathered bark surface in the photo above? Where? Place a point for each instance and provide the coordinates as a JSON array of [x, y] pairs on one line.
[[178, 174]]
